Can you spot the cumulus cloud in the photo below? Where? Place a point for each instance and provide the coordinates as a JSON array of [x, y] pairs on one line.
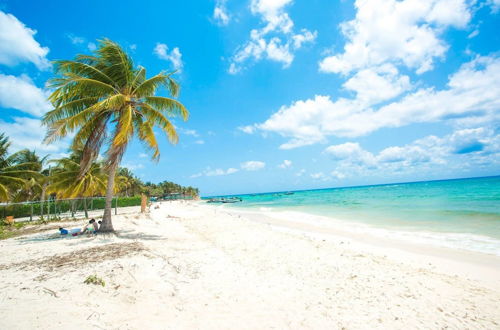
[[187, 131], [174, 56], [18, 45], [351, 151], [464, 148], [29, 133], [20, 93], [76, 40], [133, 166], [286, 164], [253, 165], [275, 40], [221, 15], [215, 172], [405, 32], [470, 98], [379, 84], [249, 129], [320, 176]]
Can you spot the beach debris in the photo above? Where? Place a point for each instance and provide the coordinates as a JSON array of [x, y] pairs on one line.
[[78, 258], [94, 279], [52, 292]]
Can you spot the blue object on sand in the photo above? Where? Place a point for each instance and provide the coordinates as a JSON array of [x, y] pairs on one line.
[[63, 231]]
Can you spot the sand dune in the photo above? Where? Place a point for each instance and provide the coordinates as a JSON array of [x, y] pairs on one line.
[[192, 266]]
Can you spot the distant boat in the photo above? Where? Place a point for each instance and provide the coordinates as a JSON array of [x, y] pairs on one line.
[[289, 193], [225, 200]]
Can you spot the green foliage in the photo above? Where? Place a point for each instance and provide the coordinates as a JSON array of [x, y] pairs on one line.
[[94, 279], [16, 170], [63, 206], [106, 100], [67, 179]]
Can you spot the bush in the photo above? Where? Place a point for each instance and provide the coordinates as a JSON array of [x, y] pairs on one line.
[[94, 279], [64, 206]]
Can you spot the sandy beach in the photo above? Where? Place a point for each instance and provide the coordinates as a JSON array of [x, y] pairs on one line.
[[188, 265]]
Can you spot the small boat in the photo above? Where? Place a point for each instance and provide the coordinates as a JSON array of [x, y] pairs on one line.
[[225, 200], [289, 193]]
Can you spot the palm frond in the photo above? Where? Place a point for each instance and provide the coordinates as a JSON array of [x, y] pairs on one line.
[[170, 106]]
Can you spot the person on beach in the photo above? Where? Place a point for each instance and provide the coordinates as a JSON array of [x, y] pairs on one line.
[[89, 229], [94, 223], [72, 232]]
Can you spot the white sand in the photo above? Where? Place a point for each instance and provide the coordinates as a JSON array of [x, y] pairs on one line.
[[208, 269]]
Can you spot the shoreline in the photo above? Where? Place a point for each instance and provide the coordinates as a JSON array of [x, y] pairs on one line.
[[187, 265], [485, 267]]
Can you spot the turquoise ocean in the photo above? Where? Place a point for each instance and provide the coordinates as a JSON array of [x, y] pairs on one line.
[[461, 213]]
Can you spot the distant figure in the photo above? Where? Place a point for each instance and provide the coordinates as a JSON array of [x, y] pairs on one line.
[[96, 227], [72, 232], [100, 224], [90, 228]]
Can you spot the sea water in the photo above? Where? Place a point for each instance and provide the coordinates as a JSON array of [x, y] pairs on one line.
[[462, 213]]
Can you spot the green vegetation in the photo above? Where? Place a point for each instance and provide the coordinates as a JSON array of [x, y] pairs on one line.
[[64, 206], [49, 183], [105, 100], [94, 279]]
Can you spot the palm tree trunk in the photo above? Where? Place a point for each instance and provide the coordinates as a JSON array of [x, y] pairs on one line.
[[42, 200], [107, 225], [85, 208]]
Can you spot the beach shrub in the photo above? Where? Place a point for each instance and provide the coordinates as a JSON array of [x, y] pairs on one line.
[[64, 206], [94, 279]]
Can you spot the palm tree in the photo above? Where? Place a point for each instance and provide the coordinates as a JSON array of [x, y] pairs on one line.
[[35, 186], [14, 175], [67, 181], [105, 99]]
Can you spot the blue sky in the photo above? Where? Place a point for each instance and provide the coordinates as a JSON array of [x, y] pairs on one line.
[[283, 94]]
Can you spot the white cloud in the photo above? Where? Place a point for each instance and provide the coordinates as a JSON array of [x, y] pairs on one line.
[[133, 166], [75, 40], [143, 155], [220, 15], [187, 131], [253, 165], [29, 133], [301, 172], [199, 142], [275, 40], [338, 175], [215, 172], [17, 44], [249, 129], [286, 164], [319, 176], [404, 32], [175, 56], [470, 98], [351, 151], [375, 85], [20, 93], [464, 148]]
